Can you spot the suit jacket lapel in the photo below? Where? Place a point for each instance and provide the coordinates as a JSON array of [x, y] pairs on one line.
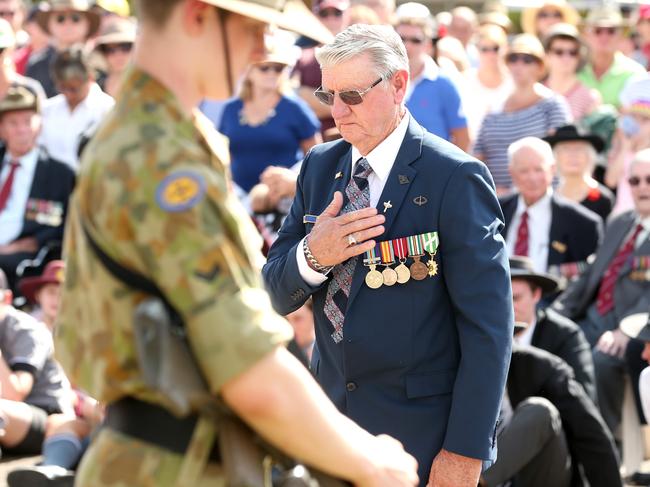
[[394, 191], [555, 234], [509, 208], [341, 177], [612, 243]]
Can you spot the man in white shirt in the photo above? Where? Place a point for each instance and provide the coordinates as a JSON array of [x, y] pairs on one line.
[[551, 230], [78, 110], [614, 286]]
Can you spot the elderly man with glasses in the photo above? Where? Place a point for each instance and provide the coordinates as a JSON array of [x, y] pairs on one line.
[[395, 235]]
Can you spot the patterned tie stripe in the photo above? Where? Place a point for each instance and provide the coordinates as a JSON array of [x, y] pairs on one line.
[[5, 192]]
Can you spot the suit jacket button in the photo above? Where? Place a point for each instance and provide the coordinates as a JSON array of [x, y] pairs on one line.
[[351, 386]]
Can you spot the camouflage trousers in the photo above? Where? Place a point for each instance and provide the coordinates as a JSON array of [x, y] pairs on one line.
[[117, 460]]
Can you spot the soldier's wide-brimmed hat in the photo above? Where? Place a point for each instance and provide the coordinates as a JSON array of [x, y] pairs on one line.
[[291, 15], [53, 6], [54, 273], [529, 16], [522, 268], [118, 31], [637, 326], [19, 98]]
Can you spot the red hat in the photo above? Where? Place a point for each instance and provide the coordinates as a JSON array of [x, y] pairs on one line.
[[53, 274], [644, 12]]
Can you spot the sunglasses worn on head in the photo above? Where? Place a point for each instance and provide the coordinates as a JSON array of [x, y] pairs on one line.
[[636, 180], [329, 12], [265, 68], [564, 52], [74, 17], [549, 14], [605, 30], [124, 47], [349, 97], [412, 40], [516, 57], [485, 49]]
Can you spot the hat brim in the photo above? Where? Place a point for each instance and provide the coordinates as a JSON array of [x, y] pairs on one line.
[[636, 326], [595, 141], [43, 17], [295, 16], [115, 38], [30, 285], [547, 284], [529, 17]]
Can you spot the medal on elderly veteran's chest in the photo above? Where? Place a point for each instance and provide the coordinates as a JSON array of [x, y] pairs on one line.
[[640, 269], [400, 247], [419, 270], [374, 279], [387, 259], [430, 244]]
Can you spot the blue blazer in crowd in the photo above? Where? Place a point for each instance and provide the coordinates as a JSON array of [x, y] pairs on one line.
[[425, 361]]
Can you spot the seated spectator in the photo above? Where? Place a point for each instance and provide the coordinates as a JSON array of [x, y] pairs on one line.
[[115, 44], [281, 124], [545, 328], [44, 292], [607, 69], [575, 154], [432, 98], [489, 84], [8, 75], [550, 431], [614, 286], [632, 135], [565, 56], [33, 384], [38, 42], [304, 336], [34, 188], [539, 19], [539, 224], [68, 22], [531, 110], [79, 108]]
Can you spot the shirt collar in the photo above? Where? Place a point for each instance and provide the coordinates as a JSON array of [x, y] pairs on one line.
[[541, 205], [27, 161], [382, 157], [645, 222], [431, 71]]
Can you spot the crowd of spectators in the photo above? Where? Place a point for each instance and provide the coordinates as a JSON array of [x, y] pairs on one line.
[[557, 107]]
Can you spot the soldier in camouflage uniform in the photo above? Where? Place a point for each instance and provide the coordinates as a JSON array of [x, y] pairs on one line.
[[153, 193]]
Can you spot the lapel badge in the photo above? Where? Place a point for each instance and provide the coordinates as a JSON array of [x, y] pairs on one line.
[[387, 206], [309, 219], [559, 246], [420, 200], [403, 179], [339, 175]]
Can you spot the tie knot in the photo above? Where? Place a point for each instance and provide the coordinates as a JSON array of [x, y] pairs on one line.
[[363, 169]]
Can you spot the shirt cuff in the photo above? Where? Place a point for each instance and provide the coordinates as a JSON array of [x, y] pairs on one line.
[[310, 276]]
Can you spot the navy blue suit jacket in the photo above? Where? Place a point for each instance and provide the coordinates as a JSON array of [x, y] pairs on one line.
[[426, 361]]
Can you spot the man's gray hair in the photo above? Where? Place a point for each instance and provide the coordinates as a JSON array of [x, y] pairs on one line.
[[540, 146], [641, 157], [380, 42]]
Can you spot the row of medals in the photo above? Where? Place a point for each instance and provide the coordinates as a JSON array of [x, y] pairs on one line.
[[401, 274]]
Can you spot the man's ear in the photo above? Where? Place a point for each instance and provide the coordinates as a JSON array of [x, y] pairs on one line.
[[194, 16], [399, 82]]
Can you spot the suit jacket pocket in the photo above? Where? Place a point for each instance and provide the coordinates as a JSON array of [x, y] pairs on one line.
[[423, 384]]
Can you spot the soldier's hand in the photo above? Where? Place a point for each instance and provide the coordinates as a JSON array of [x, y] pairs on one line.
[[393, 467], [332, 240]]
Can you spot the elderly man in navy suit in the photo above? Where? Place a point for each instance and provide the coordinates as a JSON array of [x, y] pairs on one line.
[[396, 235]]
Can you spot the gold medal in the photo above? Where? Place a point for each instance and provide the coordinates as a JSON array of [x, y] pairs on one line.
[[403, 273], [419, 269], [374, 278], [389, 275], [432, 266]]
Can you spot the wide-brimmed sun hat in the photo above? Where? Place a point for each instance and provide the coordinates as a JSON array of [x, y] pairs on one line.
[[522, 268], [53, 6], [529, 16], [53, 273]]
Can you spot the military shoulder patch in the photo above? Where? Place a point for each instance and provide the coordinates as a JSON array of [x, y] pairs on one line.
[[180, 191]]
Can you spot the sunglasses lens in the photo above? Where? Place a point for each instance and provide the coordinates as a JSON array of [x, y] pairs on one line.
[[324, 97], [76, 18], [634, 180], [60, 18], [350, 97]]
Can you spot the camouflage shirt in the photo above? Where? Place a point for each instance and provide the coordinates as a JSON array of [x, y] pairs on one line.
[[153, 191]]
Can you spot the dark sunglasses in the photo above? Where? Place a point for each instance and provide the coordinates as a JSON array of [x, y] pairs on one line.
[[124, 47], [516, 57], [7, 14], [605, 30], [564, 52], [485, 49], [265, 68], [329, 12], [636, 180], [349, 97], [2, 50], [549, 14], [75, 18], [412, 40]]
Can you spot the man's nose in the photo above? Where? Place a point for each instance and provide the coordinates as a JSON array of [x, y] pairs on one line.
[[339, 109]]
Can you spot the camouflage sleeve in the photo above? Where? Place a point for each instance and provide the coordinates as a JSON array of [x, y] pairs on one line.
[[202, 250]]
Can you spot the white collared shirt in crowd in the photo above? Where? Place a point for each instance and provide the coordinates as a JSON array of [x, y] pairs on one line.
[[13, 216], [643, 234], [381, 160], [539, 227], [525, 337], [62, 129]]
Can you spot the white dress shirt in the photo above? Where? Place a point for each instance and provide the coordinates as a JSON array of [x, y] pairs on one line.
[[643, 234], [12, 217], [526, 337], [539, 229], [62, 129], [381, 160]]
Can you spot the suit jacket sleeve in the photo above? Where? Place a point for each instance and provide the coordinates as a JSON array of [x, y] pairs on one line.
[[475, 265], [288, 290], [577, 351]]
